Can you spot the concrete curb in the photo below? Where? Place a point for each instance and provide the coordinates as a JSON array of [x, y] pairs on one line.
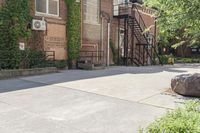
[[6, 74]]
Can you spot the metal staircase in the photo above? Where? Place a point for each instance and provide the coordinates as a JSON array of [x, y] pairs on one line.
[[139, 44]]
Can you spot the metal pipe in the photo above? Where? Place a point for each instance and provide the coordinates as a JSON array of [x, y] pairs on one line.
[[108, 48], [102, 35]]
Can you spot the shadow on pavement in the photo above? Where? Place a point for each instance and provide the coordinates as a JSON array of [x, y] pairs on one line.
[[74, 75]]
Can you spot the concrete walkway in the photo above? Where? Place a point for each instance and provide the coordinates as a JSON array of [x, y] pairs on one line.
[[114, 100]]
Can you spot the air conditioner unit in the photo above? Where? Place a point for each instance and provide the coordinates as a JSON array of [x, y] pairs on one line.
[[38, 25]]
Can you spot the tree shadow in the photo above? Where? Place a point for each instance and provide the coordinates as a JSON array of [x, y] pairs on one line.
[[75, 75]]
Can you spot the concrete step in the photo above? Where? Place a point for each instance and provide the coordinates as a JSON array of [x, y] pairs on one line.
[[90, 66]]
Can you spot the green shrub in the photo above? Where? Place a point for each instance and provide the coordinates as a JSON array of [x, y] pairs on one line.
[[61, 64], [182, 120], [37, 59], [165, 58], [32, 58], [187, 60]]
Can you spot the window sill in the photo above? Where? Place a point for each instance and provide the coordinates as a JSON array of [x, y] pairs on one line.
[[92, 23], [47, 15]]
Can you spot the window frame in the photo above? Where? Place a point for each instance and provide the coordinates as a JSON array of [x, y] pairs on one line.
[[47, 9], [98, 13]]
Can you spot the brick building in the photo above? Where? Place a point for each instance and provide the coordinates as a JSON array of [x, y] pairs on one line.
[[48, 28], [53, 12], [102, 20], [111, 19]]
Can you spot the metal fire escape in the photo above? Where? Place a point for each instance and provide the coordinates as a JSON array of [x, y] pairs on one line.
[[138, 43]]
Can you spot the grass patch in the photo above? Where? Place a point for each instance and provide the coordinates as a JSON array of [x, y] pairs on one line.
[[182, 120]]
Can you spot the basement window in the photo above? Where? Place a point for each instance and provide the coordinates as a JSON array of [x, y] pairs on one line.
[[91, 11], [47, 7]]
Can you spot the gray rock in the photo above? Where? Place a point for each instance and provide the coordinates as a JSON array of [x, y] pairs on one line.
[[187, 84]]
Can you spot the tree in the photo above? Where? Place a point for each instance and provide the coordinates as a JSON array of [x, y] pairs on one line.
[[178, 21]]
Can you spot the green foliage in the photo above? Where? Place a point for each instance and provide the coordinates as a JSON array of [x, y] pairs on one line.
[[74, 29], [37, 59], [178, 21], [165, 58], [187, 60], [14, 18], [61, 64], [182, 120], [32, 58]]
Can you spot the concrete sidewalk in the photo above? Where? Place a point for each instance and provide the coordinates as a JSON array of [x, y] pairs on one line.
[[114, 100]]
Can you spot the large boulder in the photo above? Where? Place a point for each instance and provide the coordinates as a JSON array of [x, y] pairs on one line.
[[187, 84]]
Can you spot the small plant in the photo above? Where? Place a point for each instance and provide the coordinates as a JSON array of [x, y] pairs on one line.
[[32, 58], [62, 64], [166, 59], [182, 120]]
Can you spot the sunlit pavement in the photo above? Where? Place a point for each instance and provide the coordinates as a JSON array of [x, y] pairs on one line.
[[114, 100]]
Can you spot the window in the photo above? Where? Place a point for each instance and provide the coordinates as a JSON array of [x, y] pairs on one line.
[[47, 7], [91, 11]]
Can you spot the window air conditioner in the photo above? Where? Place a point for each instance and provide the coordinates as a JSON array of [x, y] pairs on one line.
[[38, 25]]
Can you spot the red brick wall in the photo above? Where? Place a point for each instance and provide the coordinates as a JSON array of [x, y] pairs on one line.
[[56, 28], [37, 40], [92, 34]]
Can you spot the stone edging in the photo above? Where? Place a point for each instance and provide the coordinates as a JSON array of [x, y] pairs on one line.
[[6, 74]]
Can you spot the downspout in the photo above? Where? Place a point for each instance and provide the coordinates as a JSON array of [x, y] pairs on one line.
[[102, 36], [106, 16], [108, 52]]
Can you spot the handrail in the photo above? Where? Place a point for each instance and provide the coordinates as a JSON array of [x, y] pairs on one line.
[[145, 9], [140, 17], [143, 28], [97, 55]]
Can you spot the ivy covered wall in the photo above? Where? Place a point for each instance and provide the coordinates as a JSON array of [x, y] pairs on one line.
[[74, 28], [14, 18]]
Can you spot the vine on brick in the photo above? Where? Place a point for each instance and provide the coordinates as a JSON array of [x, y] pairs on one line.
[[74, 29], [14, 18]]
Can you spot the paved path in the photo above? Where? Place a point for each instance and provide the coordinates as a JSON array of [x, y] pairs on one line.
[[115, 100]]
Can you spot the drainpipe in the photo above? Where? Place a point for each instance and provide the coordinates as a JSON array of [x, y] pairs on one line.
[[108, 52], [102, 36], [106, 16]]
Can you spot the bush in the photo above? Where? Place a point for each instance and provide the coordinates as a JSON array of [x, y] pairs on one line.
[[32, 58], [61, 64], [187, 60], [165, 58], [182, 120]]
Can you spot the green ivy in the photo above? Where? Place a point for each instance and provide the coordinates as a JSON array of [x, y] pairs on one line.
[[74, 28], [14, 18]]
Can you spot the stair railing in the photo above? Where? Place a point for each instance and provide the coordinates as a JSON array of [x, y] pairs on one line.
[[140, 19], [144, 27]]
